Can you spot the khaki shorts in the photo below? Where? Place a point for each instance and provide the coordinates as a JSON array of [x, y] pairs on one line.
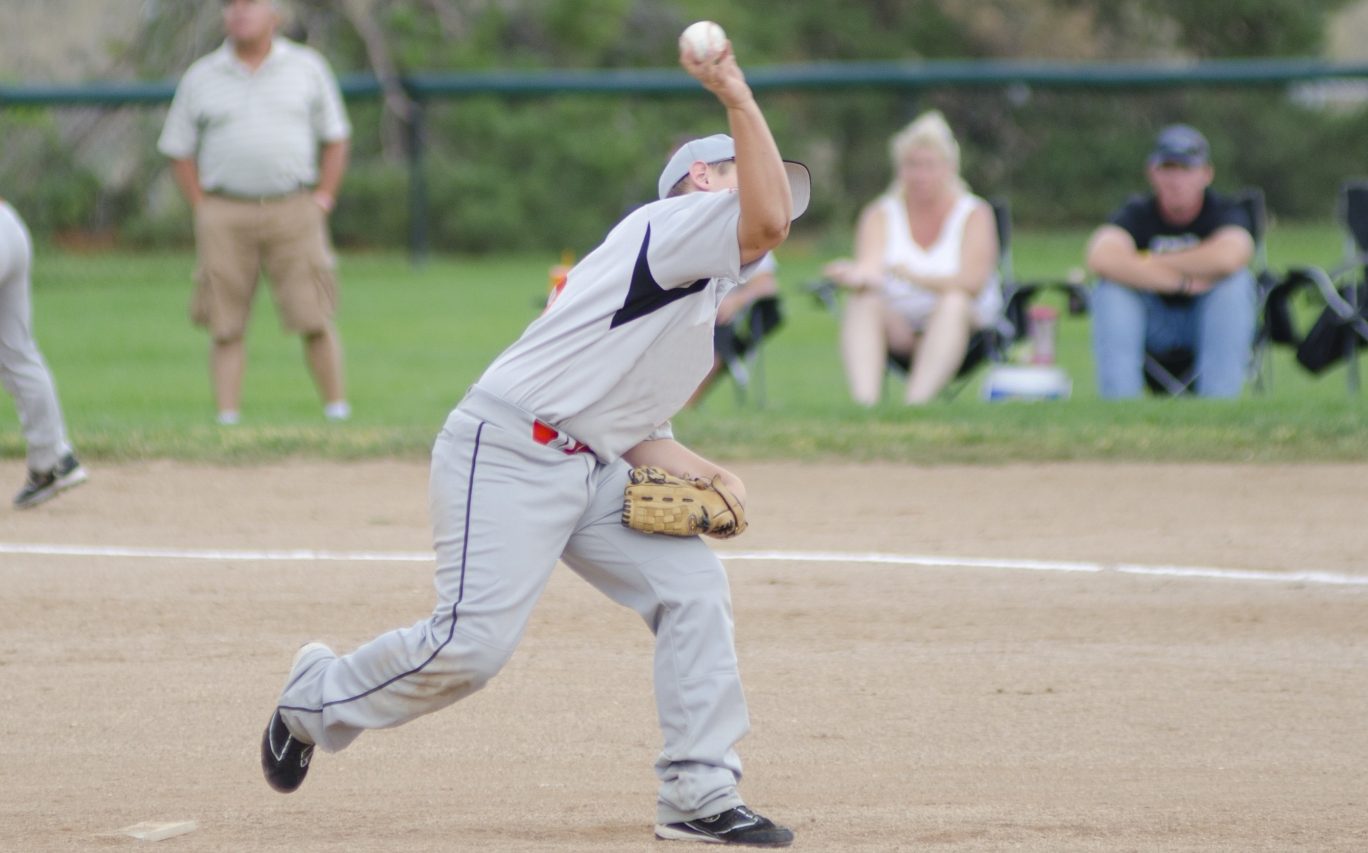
[[287, 238]]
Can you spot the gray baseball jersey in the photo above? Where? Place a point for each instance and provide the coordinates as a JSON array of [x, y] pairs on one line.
[[513, 491], [630, 337]]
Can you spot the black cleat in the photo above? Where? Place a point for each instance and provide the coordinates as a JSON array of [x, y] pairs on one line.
[[43, 486], [284, 757], [733, 826]]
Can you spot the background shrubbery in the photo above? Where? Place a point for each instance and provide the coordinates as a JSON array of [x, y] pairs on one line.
[[548, 172]]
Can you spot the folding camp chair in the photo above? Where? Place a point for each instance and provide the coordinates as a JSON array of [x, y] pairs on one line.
[[740, 346], [1341, 327], [1174, 372], [990, 344]]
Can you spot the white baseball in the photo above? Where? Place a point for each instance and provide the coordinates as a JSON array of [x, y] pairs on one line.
[[704, 40]]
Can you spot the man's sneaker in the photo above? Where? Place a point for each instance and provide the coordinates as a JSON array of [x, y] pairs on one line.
[[284, 757], [46, 485], [733, 826], [338, 411]]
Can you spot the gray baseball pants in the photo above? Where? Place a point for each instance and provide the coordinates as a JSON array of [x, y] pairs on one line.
[[22, 370], [504, 509]]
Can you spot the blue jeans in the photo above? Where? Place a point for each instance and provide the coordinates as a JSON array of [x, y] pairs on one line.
[[1218, 326]]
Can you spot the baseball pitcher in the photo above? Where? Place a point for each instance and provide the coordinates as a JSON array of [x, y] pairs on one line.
[[533, 465]]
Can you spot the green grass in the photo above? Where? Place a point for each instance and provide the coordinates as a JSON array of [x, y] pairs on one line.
[[133, 377]]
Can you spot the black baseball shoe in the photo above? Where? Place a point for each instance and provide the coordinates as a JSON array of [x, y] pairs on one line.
[[733, 826], [42, 486], [284, 757]]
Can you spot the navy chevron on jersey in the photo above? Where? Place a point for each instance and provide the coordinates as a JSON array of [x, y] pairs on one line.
[[627, 341]]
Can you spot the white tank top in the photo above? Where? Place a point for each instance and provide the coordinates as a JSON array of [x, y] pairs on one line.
[[941, 258]]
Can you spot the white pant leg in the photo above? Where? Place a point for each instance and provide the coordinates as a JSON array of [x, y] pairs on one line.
[[502, 509], [22, 370], [679, 587]]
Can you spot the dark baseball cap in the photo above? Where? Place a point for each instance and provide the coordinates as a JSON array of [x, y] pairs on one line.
[[1181, 145]]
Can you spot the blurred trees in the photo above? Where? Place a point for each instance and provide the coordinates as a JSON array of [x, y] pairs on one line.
[[553, 172]]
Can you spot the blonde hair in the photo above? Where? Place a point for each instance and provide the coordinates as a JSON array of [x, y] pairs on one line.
[[928, 130]]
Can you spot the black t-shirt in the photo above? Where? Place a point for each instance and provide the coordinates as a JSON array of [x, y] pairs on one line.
[[1139, 216]]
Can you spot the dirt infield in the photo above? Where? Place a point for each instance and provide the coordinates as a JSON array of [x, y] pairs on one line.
[[1098, 699]]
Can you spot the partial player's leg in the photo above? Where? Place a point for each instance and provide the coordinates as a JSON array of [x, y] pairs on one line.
[[680, 589], [25, 374]]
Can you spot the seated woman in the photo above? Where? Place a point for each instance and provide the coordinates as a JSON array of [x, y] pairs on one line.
[[924, 276]]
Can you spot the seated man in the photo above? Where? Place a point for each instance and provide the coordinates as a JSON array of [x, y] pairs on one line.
[[1172, 270]]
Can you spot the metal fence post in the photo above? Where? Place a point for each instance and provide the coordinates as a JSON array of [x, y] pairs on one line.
[[417, 176]]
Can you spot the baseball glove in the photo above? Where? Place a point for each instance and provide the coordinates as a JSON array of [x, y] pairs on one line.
[[657, 501]]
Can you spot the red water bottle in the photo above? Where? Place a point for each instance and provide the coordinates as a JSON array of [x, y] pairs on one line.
[[1044, 322]]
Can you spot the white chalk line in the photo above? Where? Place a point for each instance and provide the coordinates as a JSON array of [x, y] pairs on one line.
[[306, 555]]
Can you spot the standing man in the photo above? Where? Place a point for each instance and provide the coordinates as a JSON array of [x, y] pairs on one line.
[[530, 469], [244, 134], [52, 467], [1173, 269]]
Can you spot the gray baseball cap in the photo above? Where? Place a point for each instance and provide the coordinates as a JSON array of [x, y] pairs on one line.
[[1181, 145], [719, 147]]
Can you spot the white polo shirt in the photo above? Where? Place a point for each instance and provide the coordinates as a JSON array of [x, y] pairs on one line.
[[255, 133]]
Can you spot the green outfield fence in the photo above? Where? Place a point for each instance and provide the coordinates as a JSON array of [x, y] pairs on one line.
[[911, 76]]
